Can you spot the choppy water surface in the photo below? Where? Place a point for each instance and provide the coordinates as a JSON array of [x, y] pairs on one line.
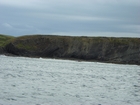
[[33, 81]]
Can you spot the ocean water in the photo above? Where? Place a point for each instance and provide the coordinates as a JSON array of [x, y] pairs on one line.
[[37, 81]]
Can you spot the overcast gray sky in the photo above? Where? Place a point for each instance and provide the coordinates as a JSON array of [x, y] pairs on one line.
[[117, 18]]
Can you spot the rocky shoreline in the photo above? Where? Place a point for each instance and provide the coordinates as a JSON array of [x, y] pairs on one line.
[[100, 49]]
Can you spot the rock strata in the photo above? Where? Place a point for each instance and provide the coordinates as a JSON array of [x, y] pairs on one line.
[[102, 49]]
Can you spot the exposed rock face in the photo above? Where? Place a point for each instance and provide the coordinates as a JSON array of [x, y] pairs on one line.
[[115, 50], [1, 50]]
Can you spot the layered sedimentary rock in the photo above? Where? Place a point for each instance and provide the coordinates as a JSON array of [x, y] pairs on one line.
[[102, 49]]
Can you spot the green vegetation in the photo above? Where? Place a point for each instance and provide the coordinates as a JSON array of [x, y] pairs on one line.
[[124, 41], [39, 42], [31, 43], [105, 49], [4, 39], [26, 46]]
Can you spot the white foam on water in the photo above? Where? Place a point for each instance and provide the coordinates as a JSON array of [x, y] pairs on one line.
[[39, 81]]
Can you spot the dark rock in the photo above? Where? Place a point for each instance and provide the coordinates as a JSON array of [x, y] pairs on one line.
[[1, 50], [114, 50], [10, 48]]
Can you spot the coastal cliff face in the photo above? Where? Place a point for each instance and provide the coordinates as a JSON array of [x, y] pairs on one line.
[[102, 49], [1, 50]]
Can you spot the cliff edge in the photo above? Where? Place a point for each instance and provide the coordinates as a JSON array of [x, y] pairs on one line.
[[101, 49]]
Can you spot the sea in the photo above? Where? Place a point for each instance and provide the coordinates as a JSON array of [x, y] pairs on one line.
[[42, 81]]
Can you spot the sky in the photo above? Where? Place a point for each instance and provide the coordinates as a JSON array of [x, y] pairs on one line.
[[109, 18]]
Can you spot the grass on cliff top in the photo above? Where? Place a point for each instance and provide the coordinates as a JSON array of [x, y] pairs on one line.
[[31, 43], [124, 41], [4, 39], [37, 42], [113, 40]]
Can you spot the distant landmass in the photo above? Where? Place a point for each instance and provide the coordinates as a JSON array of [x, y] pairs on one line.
[[100, 49]]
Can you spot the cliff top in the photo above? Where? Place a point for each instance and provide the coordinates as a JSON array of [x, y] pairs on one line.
[[4, 39]]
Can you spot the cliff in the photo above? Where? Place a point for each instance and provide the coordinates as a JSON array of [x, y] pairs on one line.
[[102, 49], [4, 40]]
